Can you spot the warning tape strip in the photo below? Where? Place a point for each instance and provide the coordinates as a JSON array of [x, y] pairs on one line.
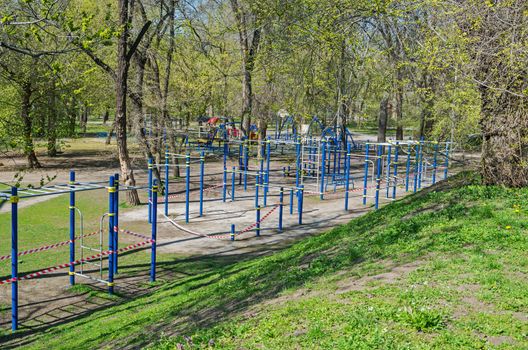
[[73, 263], [47, 247], [223, 236]]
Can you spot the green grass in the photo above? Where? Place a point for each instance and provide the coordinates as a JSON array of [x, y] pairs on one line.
[[442, 269]]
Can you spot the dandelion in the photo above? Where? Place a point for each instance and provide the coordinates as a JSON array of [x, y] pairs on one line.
[[508, 227]]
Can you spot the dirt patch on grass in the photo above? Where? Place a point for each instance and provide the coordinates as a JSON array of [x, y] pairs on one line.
[[394, 275]]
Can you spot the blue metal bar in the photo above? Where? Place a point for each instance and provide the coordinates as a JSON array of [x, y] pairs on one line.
[[420, 165], [257, 190], [257, 230], [396, 156], [300, 199], [434, 162], [378, 176], [389, 164], [291, 201], [154, 232], [224, 188], [232, 232], [408, 167], [233, 185], [202, 162], [187, 185], [297, 162], [446, 160], [111, 208], [347, 175], [72, 229], [14, 258], [281, 207], [365, 178], [323, 168], [166, 189], [246, 162], [416, 160], [150, 167], [116, 221]]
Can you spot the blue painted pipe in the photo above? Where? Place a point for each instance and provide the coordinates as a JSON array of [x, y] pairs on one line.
[[72, 229], [166, 183], [187, 185], [116, 221], [232, 232], [300, 197], [111, 213], [378, 176], [365, 177], [233, 185], [154, 231], [396, 156], [347, 176], [281, 207], [150, 167], [434, 162], [202, 166], [257, 231], [14, 258], [323, 168], [408, 168]]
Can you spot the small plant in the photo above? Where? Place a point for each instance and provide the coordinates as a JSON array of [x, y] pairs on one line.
[[423, 319]]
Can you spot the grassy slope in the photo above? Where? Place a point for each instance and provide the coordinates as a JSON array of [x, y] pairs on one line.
[[466, 286]]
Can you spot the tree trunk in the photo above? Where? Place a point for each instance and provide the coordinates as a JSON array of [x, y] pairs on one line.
[[127, 174], [398, 104], [382, 119], [29, 147], [505, 140]]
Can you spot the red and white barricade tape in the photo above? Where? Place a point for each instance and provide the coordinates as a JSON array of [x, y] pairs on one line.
[[47, 247], [76, 262]]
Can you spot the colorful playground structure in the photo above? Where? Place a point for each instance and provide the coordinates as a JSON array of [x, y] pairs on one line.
[[276, 173]]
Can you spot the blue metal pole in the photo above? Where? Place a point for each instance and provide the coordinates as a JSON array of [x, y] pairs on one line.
[[408, 167], [202, 162], [267, 175], [446, 160], [420, 165], [281, 207], [389, 164], [323, 168], [111, 213], [257, 190], [291, 201], [378, 176], [116, 221], [434, 161], [232, 232], [240, 161], [166, 189], [246, 161], [297, 162], [365, 178], [150, 167], [416, 160], [257, 231], [233, 185], [72, 228], [300, 197], [154, 233], [396, 156], [14, 258], [347, 175], [187, 185], [224, 188]]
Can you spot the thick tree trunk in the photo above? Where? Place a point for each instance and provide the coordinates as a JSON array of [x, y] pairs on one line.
[[29, 147], [127, 174], [51, 131], [505, 141], [382, 119]]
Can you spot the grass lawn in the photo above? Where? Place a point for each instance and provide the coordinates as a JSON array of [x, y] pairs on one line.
[[445, 268]]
